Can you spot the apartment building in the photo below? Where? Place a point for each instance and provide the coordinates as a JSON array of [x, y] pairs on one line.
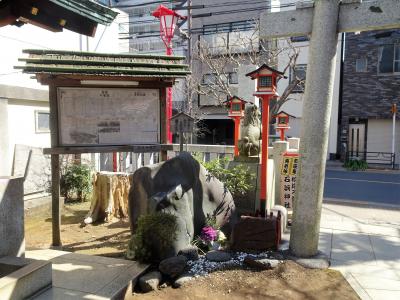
[[371, 79]]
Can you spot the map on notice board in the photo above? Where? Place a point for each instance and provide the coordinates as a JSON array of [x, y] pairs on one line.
[[108, 116]]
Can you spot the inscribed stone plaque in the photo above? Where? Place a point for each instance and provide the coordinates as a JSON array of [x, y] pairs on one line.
[[108, 116]]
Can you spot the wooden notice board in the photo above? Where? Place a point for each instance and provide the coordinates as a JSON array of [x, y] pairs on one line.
[[108, 116]]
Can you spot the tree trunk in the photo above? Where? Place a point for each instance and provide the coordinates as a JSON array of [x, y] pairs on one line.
[[109, 197]]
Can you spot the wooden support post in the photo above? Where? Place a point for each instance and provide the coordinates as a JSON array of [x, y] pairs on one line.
[[55, 200], [55, 168]]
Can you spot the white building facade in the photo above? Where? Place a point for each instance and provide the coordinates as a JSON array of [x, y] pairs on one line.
[[24, 102]]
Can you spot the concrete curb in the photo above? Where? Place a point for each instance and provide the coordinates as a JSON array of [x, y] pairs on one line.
[[355, 285], [360, 203]]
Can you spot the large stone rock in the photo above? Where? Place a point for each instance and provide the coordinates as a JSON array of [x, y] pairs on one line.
[[182, 187], [182, 280], [173, 266], [191, 253], [150, 281], [261, 263], [218, 256]]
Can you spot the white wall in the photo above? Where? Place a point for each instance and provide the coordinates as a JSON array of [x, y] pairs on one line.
[[21, 124], [294, 107], [14, 39], [379, 136], [20, 112]]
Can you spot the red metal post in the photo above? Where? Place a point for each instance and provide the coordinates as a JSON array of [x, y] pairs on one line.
[[115, 165], [237, 133], [282, 133], [264, 153], [169, 103]]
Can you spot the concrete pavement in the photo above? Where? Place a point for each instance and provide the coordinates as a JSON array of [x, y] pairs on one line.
[[364, 244]]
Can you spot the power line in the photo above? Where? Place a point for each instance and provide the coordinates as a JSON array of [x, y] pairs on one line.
[[216, 5], [143, 4], [25, 42], [15, 72]]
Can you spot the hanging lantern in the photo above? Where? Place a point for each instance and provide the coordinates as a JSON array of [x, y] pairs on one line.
[[168, 19]]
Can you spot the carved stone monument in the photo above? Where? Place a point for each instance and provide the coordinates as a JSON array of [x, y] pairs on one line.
[[184, 188], [250, 131]]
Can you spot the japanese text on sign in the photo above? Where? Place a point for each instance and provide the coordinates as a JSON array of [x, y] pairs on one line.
[[288, 179]]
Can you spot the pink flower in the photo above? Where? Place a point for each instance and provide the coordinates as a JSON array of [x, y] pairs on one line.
[[209, 234]]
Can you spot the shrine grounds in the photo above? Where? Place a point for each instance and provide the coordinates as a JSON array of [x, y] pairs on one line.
[[288, 281]]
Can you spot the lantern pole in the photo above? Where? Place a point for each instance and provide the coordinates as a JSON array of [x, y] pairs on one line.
[[237, 133], [264, 153], [167, 33]]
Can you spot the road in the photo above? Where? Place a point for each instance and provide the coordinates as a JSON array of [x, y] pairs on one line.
[[373, 187]]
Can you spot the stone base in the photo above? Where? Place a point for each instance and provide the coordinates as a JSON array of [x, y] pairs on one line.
[[318, 261], [249, 203], [22, 278], [247, 159], [252, 233], [284, 216]]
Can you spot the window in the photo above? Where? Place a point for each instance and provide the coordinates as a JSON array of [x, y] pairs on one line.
[[233, 78], [42, 121], [361, 64], [300, 72], [236, 106], [296, 39], [266, 81], [389, 59], [208, 79]]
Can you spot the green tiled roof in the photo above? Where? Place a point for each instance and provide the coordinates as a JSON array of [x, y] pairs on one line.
[[90, 9], [89, 63]]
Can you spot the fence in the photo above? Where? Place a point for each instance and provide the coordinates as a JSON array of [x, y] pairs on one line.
[[129, 162], [374, 158]]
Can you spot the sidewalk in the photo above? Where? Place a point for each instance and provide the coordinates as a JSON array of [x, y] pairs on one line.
[[364, 244]]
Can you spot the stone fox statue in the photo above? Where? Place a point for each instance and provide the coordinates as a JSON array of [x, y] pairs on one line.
[[250, 131], [182, 187]]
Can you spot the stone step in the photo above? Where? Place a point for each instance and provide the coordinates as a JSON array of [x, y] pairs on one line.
[[80, 276]]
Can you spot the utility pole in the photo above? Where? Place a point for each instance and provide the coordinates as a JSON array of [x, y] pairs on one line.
[[323, 20]]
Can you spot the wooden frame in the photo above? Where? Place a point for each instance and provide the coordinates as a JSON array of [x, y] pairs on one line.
[[56, 149]]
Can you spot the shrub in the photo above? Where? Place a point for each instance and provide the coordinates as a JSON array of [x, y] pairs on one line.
[[154, 237], [77, 180], [356, 165], [238, 180]]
